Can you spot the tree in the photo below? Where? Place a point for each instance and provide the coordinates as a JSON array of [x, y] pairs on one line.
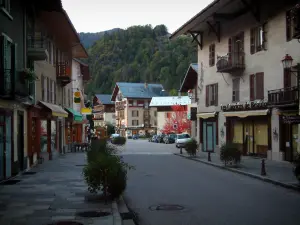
[[177, 121]]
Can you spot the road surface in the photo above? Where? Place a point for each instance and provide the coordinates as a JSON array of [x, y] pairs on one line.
[[210, 196]]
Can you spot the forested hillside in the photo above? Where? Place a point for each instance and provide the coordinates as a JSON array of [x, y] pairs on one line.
[[88, 39], [139, 54]]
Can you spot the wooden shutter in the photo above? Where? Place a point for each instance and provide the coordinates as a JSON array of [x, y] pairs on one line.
[[230, 52], [264, 36], [252, 41], [286, 78], [216, 94], [207, 96], [252, 96], [14, 53], [213, 54], [132, 113], [259, 85]]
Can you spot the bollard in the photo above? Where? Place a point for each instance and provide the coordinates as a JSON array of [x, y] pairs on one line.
[[209, 158], [180, 150], [263, 168]]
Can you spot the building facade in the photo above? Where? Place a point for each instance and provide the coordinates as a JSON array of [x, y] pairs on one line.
[[133, 114], [33, 72], [165, 114], [103, 110], [243, 90]]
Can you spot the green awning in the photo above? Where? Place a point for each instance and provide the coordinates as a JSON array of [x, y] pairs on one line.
[[76, 115]]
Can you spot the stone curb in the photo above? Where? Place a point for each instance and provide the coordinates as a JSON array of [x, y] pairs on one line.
[[124, 209], [265, 179], [116, 214]]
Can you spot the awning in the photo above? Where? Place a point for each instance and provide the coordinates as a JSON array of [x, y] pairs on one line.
[[55, 109], [243, 114], [76, 115], [206, 115]]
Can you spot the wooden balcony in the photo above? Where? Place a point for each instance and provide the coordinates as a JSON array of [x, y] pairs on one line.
[[37, 47], [284, 96], [231, 63], [63, 73], [7, 84]]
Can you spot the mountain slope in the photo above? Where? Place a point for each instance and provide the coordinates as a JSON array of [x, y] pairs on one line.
[[139, 54], [88, 39]]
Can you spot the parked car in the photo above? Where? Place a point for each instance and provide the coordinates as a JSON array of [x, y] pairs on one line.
[[154, 138], [135, 136], [160, 138], [170, 138], [181, 140], [113, 136]]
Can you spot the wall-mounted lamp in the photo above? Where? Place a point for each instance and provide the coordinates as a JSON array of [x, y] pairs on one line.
[[275, 134]]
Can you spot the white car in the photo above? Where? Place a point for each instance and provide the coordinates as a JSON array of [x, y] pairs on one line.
[[181, 139]]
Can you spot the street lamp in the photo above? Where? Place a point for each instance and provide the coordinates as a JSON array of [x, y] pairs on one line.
[[287, 62]]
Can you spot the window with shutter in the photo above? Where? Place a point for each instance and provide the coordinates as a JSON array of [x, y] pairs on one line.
[[212, 55], [206, 96], [259, 86], [258, 39], [252, 88], [211, 95], [292, 24], [236, 90]]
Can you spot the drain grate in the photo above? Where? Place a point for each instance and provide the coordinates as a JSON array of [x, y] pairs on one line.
[[66, 223], [90, 214], [127, 216], [10, 182], [29, 173], [166, 207]]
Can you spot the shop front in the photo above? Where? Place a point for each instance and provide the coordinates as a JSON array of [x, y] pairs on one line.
[[74, 127], [249, 126], [209, 137]]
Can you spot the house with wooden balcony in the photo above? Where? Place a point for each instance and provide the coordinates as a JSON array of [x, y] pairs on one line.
[[103, 110], [243, 91], [133, 114]]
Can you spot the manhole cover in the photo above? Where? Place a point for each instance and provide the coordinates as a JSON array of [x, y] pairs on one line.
[[66, 223], [166, 207], [90, 214]]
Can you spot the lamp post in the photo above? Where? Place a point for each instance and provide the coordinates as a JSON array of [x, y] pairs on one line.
[[287, 63]]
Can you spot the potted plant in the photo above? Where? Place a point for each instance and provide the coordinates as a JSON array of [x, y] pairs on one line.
[[296, 168], [191, 147], [28, 74], [230, 154]]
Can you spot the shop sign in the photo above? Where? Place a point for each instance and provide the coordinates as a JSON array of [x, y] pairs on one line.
[[291, 119], [256, 105]]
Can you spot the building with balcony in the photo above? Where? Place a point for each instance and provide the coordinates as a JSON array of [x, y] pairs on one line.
[[243, 91], [37, 42], [103, 110], [165, 114], [133, 114]]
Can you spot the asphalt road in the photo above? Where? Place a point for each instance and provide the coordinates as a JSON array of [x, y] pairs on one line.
[[210, 196]]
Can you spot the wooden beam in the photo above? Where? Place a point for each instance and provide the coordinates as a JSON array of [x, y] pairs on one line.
[[216, 28], [253, 6], [195, 36], [230, 16]]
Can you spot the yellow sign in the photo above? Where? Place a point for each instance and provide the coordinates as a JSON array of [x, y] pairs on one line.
[[86, 111], [77, 94]]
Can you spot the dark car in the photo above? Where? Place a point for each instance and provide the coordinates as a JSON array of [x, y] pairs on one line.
[[135, 137], [154, 138], [170, 138], [160, 138]]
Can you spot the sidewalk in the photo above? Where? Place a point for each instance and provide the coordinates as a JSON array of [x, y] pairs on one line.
[[279, 173], [56, 192]]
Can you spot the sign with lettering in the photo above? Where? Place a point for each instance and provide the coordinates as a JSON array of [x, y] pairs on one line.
[[245, 106], [291, 119]]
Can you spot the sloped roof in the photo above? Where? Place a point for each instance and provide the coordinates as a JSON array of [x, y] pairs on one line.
[[190, 78], [138, 90], [170, 100], [105, 99]]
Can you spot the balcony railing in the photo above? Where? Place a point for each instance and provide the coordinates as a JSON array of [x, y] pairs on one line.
[[284, 96], [63, 72], [230, 63], [7, 81], [37, 47]]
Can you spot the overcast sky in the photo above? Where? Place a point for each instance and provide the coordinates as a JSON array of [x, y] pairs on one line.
[[100, 15]]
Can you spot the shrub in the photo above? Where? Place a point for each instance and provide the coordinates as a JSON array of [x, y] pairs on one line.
[[191, 147], [230, 153], [119, 141]]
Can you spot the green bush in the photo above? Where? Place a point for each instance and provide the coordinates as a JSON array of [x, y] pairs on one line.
[[191, 147], [230, 153], [119, 141]]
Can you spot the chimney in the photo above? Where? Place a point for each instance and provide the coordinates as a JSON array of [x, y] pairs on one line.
[[146, 85]]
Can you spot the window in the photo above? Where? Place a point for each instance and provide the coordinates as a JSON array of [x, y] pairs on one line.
[[292, 24], [212, 55], [211, 95], [135, 113], [134, 102], [135, 122], [155, 113], [258, 39], [236, 90], [257, 86], [5, 4]]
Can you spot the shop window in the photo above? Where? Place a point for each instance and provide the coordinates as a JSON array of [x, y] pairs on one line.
[[258, 39], [211, 95], [257, 86], [135, 113], [212, 56], [236, 90]]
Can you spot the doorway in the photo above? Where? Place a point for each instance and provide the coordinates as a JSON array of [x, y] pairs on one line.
[[20, 140], [209, 136], [6, 133]]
